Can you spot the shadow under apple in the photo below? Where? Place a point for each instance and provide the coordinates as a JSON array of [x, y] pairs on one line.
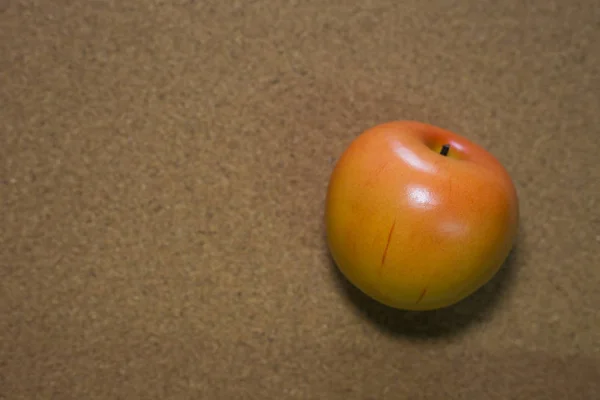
[[430, 324]]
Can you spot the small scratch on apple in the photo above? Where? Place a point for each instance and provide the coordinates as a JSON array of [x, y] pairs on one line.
[[423, 293], [381, 168], [387, 245], [375, 175]]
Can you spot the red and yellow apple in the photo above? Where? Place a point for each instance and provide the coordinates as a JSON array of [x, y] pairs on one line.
[[419, 217]]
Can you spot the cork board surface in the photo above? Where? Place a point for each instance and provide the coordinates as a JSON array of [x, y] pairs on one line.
[[163, 167]]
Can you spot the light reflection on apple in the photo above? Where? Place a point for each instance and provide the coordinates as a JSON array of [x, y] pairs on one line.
[[454, 228], [421, 197], [413, 159]]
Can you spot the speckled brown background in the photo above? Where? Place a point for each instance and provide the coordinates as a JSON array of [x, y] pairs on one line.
[[163, 166]]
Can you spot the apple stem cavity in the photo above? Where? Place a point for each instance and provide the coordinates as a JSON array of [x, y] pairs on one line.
[[445, 150]]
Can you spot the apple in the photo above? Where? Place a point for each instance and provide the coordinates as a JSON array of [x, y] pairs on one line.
[[419, 217]]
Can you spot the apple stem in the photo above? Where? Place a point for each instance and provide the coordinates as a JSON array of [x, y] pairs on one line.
[[445, 150]]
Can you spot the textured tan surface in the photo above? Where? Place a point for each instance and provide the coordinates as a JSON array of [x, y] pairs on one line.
[[163, 171]]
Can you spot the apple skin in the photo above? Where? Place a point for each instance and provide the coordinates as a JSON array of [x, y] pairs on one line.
[[412, 228]]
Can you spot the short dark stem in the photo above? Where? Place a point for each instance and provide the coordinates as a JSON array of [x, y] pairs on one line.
[[445, 150]]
